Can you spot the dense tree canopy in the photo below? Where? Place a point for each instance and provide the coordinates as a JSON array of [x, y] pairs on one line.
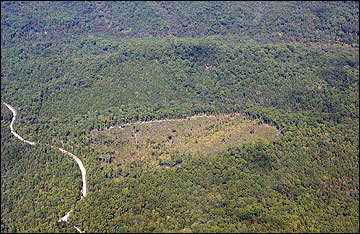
[[74, 71], [325, 22]]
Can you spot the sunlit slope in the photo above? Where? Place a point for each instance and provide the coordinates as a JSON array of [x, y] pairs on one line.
[[166, 142]]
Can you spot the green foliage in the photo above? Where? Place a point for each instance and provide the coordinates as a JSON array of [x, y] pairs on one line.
[[78, 69], [324, 22]]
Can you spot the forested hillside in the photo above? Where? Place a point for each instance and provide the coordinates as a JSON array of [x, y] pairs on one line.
[[277, 152], [297, 21]]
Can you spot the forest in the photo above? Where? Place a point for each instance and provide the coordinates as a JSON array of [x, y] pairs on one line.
[[188, 116]]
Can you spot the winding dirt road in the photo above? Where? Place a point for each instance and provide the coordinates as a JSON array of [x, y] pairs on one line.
[[12, 128], [78, 161], [82, 168]]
